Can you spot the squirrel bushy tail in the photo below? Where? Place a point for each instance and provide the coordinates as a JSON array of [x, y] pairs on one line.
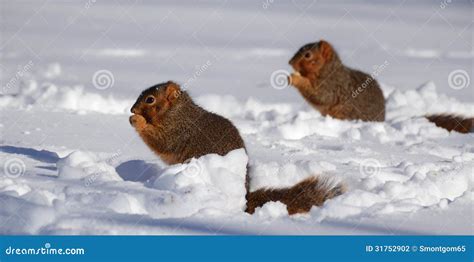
[[298, 198], [452, 122]]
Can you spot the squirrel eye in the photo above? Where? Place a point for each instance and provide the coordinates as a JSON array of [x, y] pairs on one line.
[[150, 100], [307, 55]]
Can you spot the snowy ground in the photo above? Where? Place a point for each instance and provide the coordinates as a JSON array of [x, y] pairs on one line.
[[71, 164]]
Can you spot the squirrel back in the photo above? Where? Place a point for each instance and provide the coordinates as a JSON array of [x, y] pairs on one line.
[[334, 89], [177, 129]]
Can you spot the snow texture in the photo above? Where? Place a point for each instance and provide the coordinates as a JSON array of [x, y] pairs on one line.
[[71, 164]]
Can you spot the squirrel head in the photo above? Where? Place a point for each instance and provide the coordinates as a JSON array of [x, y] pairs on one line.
[[312, 57], [156, 101]]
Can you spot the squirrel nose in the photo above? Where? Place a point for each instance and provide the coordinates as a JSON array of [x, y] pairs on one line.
[[133, 110]]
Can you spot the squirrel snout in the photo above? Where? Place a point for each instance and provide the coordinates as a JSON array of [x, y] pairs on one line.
[[133, 110]]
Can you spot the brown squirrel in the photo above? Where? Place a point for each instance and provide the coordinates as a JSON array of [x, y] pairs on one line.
[[329, 86], [177, 129], [344, 93]]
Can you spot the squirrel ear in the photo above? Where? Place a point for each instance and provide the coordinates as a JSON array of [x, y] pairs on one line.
[[172, 91], [326, 49]]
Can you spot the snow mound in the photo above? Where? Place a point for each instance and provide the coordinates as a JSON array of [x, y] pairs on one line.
[[311, 123], [20, 216], [384, 192], [86, 167], [49, 96], [305, 124], [271, 210], [423, 101], [278, 175], [211, 183]]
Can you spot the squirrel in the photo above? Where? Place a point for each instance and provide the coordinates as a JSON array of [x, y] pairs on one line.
[[345, 93], [177, 129], [334, 89]]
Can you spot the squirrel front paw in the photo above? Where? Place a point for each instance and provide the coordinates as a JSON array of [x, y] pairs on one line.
[[291, 79], [299, 81], [137, 121], [294, 77]]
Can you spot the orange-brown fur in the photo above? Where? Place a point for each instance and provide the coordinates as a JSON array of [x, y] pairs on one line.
[[329, 86], [300, 198], [453, 123], [177, 129]]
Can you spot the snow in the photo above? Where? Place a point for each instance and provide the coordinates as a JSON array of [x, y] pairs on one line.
[[86, 167], [71, 164], [211, 183], [75, 99], [271, 210]]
